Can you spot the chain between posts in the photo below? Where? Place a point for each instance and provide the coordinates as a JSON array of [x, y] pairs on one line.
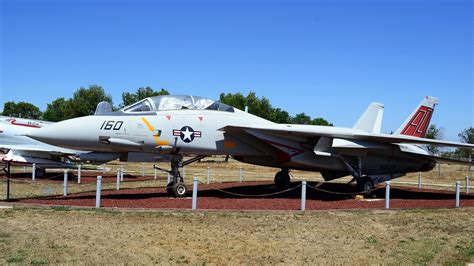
[[253, 196], [29, 181], [341, 193]]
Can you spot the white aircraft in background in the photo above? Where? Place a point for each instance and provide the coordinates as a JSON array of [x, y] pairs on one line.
[[189, 125], [19, 149]]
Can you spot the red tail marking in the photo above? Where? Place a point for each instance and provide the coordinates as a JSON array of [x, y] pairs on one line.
[[419, 123], [168, 117], [200, 118]]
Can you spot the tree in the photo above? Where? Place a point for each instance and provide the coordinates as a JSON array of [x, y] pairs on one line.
[[280, 116], [434, 133], [141, 93], [83, 103], [301, 119], [21, 109], [259, 107], [236, 100], [58, 110], [263, 108], [466, 136], [320, 122]]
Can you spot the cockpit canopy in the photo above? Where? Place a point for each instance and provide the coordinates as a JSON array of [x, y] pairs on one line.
[[176, 102]]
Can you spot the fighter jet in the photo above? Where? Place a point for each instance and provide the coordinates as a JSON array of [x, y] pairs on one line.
[[178, 125]]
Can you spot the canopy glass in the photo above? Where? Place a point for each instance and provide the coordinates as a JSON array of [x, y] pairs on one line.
[[176, 102]]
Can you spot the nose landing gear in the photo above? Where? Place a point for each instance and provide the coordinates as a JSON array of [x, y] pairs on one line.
[[177, 188]]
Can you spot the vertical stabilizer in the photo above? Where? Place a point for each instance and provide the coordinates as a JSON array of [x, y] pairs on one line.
[[418, 122], [371, 120]]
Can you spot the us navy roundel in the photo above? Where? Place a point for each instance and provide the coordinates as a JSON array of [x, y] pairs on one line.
[[187, 134]]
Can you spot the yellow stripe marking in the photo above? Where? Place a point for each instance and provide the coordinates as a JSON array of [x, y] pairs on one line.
[[156, 137]]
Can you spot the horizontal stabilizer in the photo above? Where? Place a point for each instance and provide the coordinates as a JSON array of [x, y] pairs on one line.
[[371, 120]]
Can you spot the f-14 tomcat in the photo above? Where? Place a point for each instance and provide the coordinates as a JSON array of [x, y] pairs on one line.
[[189, 125]]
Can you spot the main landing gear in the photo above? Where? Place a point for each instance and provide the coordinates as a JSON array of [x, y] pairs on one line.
[[282, 179], [365, 184], [40, 172], [177, 188]]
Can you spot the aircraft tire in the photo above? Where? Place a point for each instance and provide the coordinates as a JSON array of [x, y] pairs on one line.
[[40, 172], [179, 190], [365, 185], [282, 179]]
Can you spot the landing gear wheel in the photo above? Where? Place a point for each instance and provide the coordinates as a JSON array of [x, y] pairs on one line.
[[169, 188], [40, 172], [365, 185], [282, 179], [179, 190]]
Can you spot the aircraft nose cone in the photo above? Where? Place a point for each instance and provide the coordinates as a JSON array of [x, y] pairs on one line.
[[49, 134], [73, 134]]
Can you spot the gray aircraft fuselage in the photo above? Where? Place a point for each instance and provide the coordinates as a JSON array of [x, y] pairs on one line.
[[199, 132]]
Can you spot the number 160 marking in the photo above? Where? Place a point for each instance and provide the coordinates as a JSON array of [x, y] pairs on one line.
[[112, 125]]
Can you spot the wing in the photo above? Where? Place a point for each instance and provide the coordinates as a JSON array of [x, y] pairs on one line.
[[40, 149], [301, 132]]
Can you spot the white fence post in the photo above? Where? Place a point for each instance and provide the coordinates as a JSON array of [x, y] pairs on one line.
[[103, 169], [33, 172], [303, 196], [195, 188], [154, 173], [208, 175], [118, 179], [419, 180], [121, 173], [467, 184], [458, 191], [65, 183], [168, 178], [241, 175], [98, 192], [143, 169], [78, 173], [387, 194]]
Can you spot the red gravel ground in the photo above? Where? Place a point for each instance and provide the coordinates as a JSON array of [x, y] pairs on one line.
[[222, 196]]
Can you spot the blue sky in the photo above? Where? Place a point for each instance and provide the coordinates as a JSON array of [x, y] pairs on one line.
[[328, 59]]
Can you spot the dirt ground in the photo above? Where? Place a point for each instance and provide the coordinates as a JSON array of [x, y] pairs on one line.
[[63, 235]]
